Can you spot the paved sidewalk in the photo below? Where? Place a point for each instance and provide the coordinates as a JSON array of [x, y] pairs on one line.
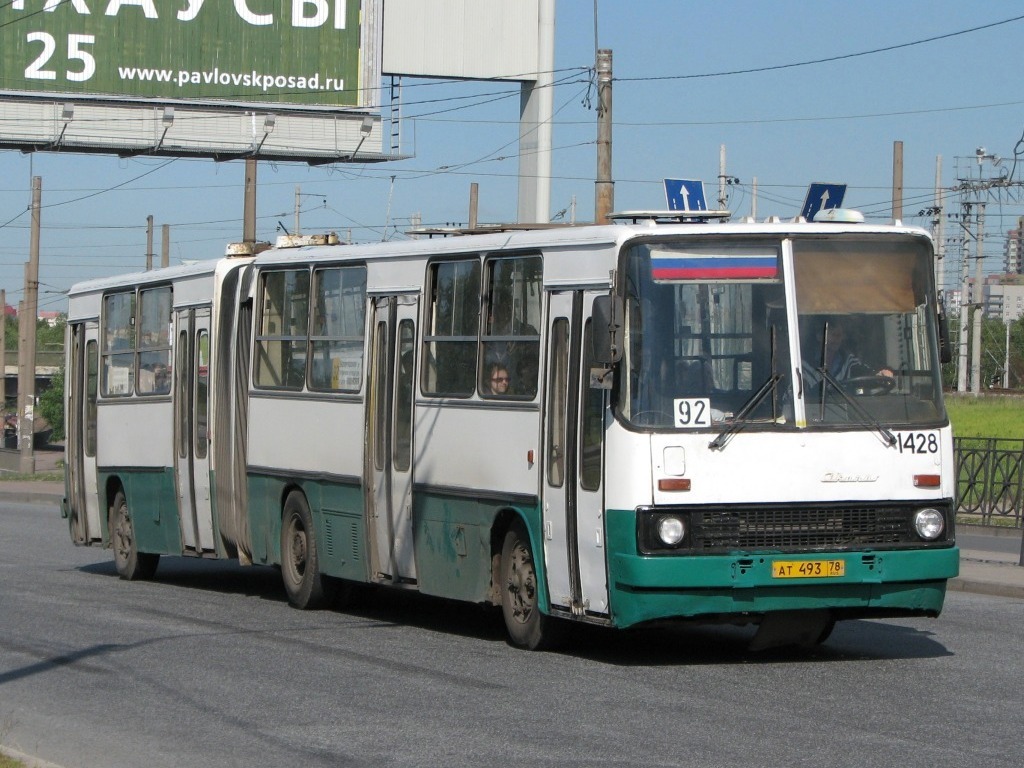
[[981, 571]]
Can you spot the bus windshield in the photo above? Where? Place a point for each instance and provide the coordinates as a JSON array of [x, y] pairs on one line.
[[716, 334]]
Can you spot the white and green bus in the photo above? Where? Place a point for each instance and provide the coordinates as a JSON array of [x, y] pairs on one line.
[[620, 424]]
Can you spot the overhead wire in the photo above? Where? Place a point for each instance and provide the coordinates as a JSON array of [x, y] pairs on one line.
[[823, 60]]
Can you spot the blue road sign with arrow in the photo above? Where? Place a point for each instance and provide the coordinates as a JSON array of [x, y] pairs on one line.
[[822, 197], [685, 195]]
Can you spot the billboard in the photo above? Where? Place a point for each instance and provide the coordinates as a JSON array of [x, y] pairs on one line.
[[246, 51], [297, 59]]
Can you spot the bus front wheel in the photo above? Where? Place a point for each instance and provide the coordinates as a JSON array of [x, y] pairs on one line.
[[527, 626], [300, 562], [131, 564]]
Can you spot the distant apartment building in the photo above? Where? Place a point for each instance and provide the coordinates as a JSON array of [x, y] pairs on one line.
[[1014, 253], [1004, 297]]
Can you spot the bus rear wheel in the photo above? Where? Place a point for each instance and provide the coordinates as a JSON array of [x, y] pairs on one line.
[[131, 564], [527, 626], [300, 563]]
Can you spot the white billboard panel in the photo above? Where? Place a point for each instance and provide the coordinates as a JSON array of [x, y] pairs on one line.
[[469, 39]]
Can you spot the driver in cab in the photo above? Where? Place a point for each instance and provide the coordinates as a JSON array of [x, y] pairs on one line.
[[840, 362]]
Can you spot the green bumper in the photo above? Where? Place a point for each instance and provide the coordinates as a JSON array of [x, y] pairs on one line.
[[879, 583]]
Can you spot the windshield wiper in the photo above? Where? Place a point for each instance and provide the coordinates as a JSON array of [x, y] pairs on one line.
[[741, 420], [866, 418]]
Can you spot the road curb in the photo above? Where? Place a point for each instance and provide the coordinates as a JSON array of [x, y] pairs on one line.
[[991, 588]]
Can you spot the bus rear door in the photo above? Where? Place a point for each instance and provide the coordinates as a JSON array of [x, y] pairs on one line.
[[82, 382]]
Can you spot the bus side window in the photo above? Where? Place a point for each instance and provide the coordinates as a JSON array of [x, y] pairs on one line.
[[452, 328], [592, 420], [202, 400], [155, 341], [118, 353], [510, 339], [558, 383], [337, 335], [282, 330], [91, 381]]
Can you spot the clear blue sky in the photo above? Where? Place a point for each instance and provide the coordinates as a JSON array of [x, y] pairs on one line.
[[832, 121]]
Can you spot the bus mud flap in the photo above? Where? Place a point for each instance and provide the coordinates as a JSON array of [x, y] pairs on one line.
[[802, 628]]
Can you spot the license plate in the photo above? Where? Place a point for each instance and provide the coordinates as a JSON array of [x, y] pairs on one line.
[[808, 569]]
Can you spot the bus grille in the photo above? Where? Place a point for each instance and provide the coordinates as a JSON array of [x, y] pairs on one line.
[[801, 528]]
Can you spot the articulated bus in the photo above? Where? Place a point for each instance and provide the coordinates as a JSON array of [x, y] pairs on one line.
[[626, 424]]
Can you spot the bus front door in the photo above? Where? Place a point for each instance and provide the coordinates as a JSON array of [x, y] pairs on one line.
[[191, 429], [83, 379], [573, 495], [389, 455]]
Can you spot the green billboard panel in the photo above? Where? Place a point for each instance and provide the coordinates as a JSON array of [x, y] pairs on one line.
[[273, 52]]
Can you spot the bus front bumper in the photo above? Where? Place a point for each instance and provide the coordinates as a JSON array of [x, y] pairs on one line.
[[877, 583]]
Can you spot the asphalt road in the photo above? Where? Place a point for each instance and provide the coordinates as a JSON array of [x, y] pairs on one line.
[[208, 666]]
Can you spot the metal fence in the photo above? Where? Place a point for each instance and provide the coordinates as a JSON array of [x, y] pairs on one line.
[[990, 480]]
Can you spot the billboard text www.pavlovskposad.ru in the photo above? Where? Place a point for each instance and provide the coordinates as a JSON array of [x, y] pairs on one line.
[[301, 52]]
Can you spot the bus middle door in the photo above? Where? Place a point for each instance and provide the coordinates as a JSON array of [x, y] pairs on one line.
[[573, 493], [191, 428], [390, 446]]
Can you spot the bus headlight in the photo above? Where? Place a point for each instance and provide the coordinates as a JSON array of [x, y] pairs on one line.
[[671, 530], [929, 523]]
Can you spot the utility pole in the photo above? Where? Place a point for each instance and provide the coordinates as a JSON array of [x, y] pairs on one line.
[[149, 242], [298, 202], [722, 199], [979, 303], [897, 181], [27, 340], [474, 204], [604, 197], [165, 246], [937, 231], [965, 296], [1006, 358], [249, 207]]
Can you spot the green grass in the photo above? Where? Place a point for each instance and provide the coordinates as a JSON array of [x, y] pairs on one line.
[[10, 762], [1000, 416]]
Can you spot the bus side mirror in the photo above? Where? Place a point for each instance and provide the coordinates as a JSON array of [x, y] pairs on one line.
[[945, 350], [607, 325]]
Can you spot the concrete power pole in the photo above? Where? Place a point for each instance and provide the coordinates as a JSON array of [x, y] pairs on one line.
[[165, 245], [940, 243], [249, 207], [27, 340], [897, 181], [149, 242], [604, 197], [965, 297], [722, 199], [474, 204], [979, 303]]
